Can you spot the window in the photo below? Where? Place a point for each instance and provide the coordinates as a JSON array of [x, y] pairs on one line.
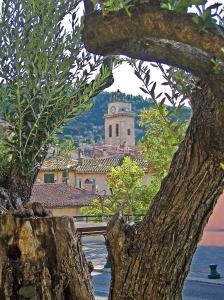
[[48, 178], [110, 130], [117, 129], [65, 176], [129, 131]]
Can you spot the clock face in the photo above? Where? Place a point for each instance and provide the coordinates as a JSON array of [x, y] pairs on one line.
[[113, 109]]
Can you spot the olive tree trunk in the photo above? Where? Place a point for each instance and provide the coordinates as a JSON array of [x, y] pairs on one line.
[[151, 259], [15, 188], [41, 258]]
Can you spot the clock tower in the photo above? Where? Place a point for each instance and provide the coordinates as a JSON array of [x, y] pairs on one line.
[[119, 123]]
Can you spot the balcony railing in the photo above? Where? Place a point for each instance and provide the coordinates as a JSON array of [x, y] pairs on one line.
[[106, 218]]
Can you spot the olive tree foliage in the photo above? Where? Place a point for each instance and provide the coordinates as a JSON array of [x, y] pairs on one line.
[[46, 78]]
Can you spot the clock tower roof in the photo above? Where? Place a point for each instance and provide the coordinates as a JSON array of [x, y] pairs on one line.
[[118, 96]]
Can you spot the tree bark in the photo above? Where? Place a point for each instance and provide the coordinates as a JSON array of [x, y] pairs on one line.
[[14, 195], [41, 258], [155, 34], [150, 260]]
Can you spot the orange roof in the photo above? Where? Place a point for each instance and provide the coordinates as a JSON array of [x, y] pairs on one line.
[[52, 195]]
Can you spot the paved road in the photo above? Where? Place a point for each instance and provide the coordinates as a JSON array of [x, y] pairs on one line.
[[197, 287], [192, 290], [95, 251], [203, 291]]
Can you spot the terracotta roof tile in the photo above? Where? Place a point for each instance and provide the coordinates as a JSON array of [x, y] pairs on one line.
[[60, 195]]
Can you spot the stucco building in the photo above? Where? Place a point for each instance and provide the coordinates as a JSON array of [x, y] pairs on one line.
[[87, 174], [58, 170], [91, 174]]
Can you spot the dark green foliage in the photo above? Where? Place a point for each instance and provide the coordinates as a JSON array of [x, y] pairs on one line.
[[206, 16]]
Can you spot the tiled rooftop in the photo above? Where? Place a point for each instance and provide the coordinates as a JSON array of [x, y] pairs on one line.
[[60, 195], [104, 165], [89, 165], [58, 163]]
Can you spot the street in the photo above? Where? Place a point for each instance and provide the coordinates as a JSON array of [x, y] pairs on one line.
[[193, 290], [203, 291], [197, 285]]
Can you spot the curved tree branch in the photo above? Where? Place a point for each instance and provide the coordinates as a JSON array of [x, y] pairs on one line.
[[171, 53], [153, 34]]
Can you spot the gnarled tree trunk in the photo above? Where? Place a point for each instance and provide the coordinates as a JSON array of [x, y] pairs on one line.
[[15, 189], [41, 258], [151, 260]]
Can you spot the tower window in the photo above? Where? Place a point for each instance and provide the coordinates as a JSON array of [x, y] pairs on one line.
[[117, 129], [110, 130], [129, 131]]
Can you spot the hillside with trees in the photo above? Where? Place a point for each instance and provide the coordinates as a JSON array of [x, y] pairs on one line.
[[89, 126]]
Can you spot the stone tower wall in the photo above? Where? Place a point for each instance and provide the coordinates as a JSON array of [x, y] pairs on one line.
[[119, 107], [126, 129]]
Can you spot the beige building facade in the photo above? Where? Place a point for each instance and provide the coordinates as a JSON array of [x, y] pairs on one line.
[[65, 211], [93, 182]]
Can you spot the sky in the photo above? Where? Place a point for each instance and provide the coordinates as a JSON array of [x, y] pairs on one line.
[[126, 81]]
